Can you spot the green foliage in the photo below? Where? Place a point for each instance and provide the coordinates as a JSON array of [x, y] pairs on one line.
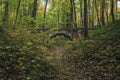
[[98, 57], [23, 66], [107, 32], [25, 45], [23, 55], [59, 40]]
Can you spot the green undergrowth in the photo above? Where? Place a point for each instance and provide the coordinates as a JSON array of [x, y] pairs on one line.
[[23, 54], [97, 58], [58, 41]]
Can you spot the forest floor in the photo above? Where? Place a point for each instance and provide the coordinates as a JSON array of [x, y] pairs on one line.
[[64, 71], [56, 54]]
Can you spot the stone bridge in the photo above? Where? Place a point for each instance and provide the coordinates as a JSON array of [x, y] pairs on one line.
[[69, 33]]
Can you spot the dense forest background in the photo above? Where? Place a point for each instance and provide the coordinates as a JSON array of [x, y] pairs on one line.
[[59, 39]]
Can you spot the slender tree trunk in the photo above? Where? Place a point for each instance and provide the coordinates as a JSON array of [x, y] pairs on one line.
[[102, 12], [107, 16], [58, 18], [116, 5], [75, 33], [71, 14], [5, 15], [74, 11], [45, 12], [67, 20], [93, 13], [89, 16], [17, 11], [112, 11], [98, 19], [34, 11], [58, 13], [116, 8], [81, 14], [85, 20]]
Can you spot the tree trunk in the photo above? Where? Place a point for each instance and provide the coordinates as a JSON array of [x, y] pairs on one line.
[[85, 20], [81, 14], [74, 11], [93, 13], [107, 16], [102, 12], [116, 5], [34, 11], [58, 12], [45, 12], [71, 14], [98, 19], [112, 10], [17, 11], [75, 33], [89, 16], [5, 16]]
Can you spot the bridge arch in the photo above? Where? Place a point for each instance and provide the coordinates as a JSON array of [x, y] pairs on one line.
[[66, 34]]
